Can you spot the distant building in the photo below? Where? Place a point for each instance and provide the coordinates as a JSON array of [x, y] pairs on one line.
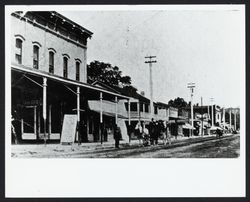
[[232, 118]]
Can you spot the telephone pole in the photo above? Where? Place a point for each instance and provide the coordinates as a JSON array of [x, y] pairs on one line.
[[212, 105], [191, 86], [151, 83]]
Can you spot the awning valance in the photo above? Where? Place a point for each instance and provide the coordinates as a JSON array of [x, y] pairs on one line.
[[108, 108]]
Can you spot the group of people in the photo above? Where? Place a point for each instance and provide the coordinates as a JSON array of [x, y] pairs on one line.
[[147, 134], [150, 134]]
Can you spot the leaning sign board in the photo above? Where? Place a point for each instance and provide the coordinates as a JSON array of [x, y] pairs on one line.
[[69, 129]]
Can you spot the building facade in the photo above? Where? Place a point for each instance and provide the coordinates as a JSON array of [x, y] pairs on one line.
[[48, 77]]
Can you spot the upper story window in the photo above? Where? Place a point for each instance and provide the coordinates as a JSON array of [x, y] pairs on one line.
[[133, 106], [35, 57], [65, 67], [142, 107], [155, 110], [78, 71], [51, 62], [18, 52]]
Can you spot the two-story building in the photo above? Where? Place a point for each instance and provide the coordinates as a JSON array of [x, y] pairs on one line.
[[49, 74]]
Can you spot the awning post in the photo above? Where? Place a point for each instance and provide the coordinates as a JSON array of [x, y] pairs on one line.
[[78, 112], [138, 110], [101, 117], [116, 115], [44, 106], [235, 120], [49, 133], [35, 130], [129, 121], [230, 118]]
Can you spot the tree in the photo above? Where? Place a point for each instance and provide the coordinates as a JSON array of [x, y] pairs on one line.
[[178, 103], [109, 75]]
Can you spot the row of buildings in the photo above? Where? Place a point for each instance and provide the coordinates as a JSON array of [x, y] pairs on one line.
[[49, 80]]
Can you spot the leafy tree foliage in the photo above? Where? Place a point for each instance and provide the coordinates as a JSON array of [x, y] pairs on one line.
[[109, 75], [178, 103]]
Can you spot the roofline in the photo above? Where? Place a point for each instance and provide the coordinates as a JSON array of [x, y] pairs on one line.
[[72, 22], [22, 68], [109, 87]]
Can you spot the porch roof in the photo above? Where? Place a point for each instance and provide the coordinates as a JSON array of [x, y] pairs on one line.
[[39, 73]]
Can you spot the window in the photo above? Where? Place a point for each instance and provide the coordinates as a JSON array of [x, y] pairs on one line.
[[18, 53], [35, 57], [141, 107], [133, 106], [78, 71], [146, 108], [126, 106], [65, 67], [155, 110], [51, 62]]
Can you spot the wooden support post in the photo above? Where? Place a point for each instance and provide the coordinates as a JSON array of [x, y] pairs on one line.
[[116, 110], [138, 109], [101, 118], [78, 114], [208, 115], [235, 120], [38, 122], [49, 134], [129, 113], [44, 106], [101, 115], [212, 115], [35, 129], [21, 127], [230, 118], [129, 121]]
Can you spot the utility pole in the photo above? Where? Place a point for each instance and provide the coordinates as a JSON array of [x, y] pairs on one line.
[[151, 83], [191, 86], [212, 104]]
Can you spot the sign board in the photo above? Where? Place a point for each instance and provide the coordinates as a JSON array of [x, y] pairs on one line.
[[69, 128], [173, 112]]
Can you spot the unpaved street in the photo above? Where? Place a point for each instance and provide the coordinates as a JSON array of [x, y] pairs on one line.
[[201, 147]]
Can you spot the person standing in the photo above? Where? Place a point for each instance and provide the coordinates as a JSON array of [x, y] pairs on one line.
[[138, 132], [157, 131], [152, 131], [117, 136], [164, 132], [145, 135]]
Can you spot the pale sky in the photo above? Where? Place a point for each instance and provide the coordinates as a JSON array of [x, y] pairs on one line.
[[204, 47]]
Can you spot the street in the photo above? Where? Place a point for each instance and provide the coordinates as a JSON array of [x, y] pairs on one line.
[[196, 147]]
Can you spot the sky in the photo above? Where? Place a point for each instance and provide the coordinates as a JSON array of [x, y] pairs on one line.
[[200, 46]]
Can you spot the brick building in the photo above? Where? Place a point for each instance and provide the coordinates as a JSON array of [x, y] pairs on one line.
[[48, 77]]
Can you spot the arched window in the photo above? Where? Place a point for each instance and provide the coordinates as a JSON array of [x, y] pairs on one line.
[[18, 52], [51, 62], [65, 67], [35, 57], [78, 71]]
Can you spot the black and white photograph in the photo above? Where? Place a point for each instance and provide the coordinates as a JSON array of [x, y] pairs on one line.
[[130, 86]]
